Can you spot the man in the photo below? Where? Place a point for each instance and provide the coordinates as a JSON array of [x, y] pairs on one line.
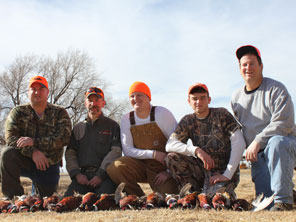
[[94, 144], [216, 150], [265, 110], [144, 133], [35, 135]]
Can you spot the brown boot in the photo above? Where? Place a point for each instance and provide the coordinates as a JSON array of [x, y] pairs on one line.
[[281, 207]]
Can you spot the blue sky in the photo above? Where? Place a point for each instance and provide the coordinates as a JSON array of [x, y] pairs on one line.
[[169, 44]]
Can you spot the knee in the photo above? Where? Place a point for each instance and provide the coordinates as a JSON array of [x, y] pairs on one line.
[[8, 155], [277, 143], [172, 159], [114, 168]]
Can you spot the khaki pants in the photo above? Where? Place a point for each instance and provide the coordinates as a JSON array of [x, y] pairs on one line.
[[133, 171]]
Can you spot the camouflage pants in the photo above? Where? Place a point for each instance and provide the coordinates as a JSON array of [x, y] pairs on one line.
[[187, 169]]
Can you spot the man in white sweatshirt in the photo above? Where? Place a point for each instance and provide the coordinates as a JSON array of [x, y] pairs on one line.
[[217, 145], [265, 110]]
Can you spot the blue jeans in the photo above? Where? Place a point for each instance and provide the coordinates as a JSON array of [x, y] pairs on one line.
[[273, 172]]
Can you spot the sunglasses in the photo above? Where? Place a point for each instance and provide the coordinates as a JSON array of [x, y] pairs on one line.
[[94, 89]]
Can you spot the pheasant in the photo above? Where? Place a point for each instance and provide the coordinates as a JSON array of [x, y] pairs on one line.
[[153, 200], [87, 202], [105, 202], [67, 204], [34, 203], [189, 201], [171, 200], [204, 201], [50, 201], [241, 205], [126, 201], [19, 204], [5, 205], [221, 201]]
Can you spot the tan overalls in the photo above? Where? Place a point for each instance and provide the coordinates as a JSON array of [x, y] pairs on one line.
[[131, 170]]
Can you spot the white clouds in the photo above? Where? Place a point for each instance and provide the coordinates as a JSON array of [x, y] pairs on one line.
[[169, 44]]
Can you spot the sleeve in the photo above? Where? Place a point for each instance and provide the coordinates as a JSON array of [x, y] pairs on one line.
[[128, 144], [165, 120], [232, 124], [12, 131], [115, 152], [71, 154], [178, 140], [176, 146], [59, 137], [238, 146], [282, 120]]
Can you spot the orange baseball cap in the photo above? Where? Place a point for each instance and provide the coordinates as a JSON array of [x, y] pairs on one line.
[[198, 85], [245, 49], [38, 79], [95, 91], [140, 87]]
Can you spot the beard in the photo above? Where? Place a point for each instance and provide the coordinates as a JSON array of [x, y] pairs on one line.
[[94, 109]]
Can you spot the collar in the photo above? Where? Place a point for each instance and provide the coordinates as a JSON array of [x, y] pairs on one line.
[[87, 119]]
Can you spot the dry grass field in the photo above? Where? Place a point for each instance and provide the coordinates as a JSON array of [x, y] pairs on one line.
[[244, 190]]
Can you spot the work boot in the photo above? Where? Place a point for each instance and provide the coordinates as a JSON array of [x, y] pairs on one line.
[[281, 207]]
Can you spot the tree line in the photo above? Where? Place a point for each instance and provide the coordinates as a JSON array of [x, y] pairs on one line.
[[69, 75]]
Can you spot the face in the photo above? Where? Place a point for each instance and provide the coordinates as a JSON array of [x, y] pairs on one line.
[[250, 70], [38, 94], [94, 105], [199, 102], [139, 101]]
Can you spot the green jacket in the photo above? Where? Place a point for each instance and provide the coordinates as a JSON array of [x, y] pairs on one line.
[[50, 134]]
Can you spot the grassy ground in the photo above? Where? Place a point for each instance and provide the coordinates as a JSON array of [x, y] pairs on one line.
[[245, 190]]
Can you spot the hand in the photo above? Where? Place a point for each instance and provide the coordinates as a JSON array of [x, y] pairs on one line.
[[40, 160], [95, 181], [218, 178], [24, 141], [81, 179], [252, 151], [161, 178], [160, 156], [207, 160]]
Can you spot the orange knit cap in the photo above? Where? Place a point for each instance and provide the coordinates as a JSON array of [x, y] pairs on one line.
[[140, 87]]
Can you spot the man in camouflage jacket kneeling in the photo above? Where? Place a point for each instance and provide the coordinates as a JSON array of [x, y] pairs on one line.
[[216, 149], [35, 135]]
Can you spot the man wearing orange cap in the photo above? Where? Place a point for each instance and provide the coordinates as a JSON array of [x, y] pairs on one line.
[[265, 109], [35, 135], [216, 149], [94, 144], [144, 133]]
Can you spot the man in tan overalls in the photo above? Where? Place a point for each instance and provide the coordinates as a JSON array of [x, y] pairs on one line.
[[144, 133]]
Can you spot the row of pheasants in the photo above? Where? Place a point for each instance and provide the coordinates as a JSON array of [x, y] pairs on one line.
[[91, 202]]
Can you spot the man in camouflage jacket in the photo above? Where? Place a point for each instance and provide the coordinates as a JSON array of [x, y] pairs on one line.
[[35, 135], [217, 145], [94, 144]]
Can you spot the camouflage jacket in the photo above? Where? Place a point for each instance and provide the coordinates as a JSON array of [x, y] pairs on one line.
[[211, 134], [50, 133], [93, 145]]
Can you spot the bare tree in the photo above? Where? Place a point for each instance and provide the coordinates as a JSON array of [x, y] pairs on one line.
[[69, 75], [13, 81]]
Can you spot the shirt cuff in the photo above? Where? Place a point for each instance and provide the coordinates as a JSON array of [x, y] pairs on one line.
[[102, 174], [75, 172]]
